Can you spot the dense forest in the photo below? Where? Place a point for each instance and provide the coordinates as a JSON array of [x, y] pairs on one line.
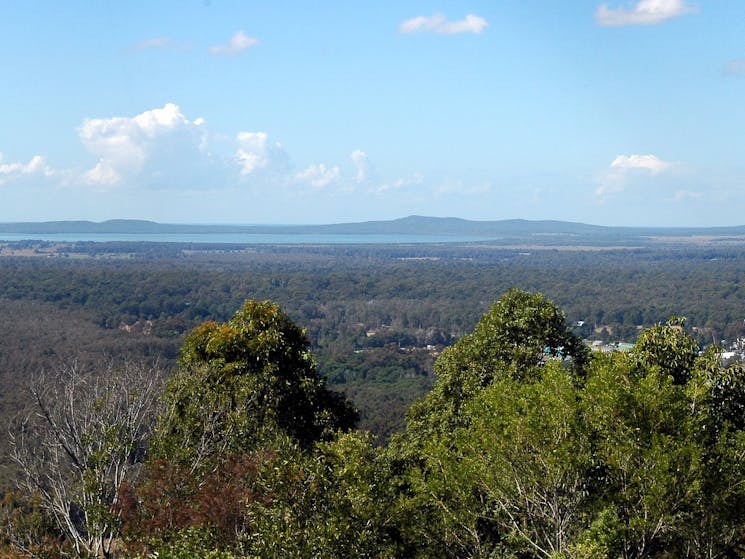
[[528, 445], [377, 315]]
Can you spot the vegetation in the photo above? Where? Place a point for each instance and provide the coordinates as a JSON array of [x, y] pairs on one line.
[[377, 317], [527, 446]]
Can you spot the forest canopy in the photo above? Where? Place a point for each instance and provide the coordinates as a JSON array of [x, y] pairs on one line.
[[528, 446]]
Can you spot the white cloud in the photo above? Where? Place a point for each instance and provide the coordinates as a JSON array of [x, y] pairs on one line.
[[35, 168], [102, 173], [237, 43], [643, 12], [650, 163], [150, 143], [255, 152], [398, 184], [319, 176], [361, 163], [614, 180], [438, 23], [163, 149]]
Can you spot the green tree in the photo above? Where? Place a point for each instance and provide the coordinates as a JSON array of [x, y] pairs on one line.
[[232, 451], [644, 441], [519, 334], [242, 382], [640, 455], [334, 502], [668, 347], [669, 447], [444, 504], [529, 452]]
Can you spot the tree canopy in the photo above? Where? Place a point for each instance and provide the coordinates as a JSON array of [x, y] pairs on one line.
[[527, 447], [242, 382], [514, 339]]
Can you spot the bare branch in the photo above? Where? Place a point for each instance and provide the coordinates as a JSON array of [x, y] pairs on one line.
[[84, 439]]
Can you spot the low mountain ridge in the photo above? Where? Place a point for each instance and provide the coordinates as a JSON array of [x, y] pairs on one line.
[[411, 225]]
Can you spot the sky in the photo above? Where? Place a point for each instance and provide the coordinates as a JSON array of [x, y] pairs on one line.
[[210, 111]]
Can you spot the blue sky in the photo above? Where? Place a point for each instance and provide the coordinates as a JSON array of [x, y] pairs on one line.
[[615, 113]]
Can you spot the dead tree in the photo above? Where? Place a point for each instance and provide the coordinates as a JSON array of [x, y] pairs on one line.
[[86, 436]]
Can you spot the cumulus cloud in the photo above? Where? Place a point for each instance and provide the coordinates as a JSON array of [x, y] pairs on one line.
[[614, 180], [35, 168], [643, 12], [650, 163], [361, 164], [237, 44], [438, 23], [164, 149], [255, 152], [154, 140], [319, 176]]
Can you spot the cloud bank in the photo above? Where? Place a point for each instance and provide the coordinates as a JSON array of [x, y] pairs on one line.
[[163, 162]]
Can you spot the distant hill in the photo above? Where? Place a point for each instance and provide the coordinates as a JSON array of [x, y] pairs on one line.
[[563, 232]]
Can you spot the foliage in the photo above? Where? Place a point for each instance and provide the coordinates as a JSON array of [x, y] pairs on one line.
[[641, 456], [669, 348], [242, 383], [144, 304], [530, 453], [172, 507], [234, 454], [516, 452], [26, 529], [521, 332], [334, 503]]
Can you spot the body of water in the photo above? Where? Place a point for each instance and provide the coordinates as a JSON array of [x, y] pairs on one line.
[[240, 238]]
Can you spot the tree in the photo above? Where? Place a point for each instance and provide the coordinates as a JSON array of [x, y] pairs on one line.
[[644, 439], [240, 383], [633, 455], [668, 347], [520, 333], [444, 503], [335, 502], [669, 441], [241, 416], [528, 453], [84, 439]]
